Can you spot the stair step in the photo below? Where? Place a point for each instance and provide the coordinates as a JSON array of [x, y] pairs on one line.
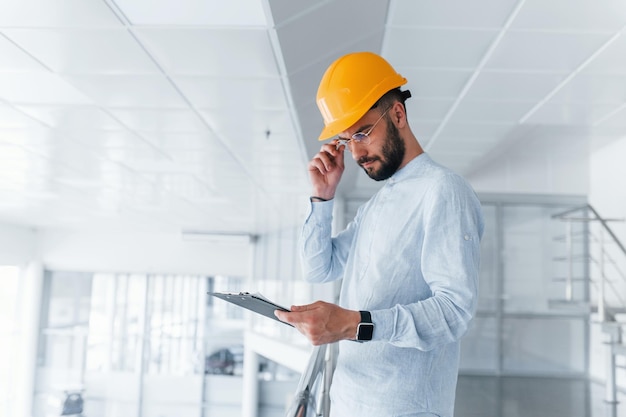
[[583, 279], [620, 349], [581, 258], [619, 313], [577, 258], [576, 279], [576, 305]]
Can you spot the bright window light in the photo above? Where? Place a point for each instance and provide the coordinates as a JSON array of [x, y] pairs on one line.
[[9, 291]]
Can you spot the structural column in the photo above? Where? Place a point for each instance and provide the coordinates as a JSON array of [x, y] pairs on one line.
[[250, 393], [29, 313]]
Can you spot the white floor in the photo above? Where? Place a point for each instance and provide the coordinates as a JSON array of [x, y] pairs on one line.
[[479, 396]]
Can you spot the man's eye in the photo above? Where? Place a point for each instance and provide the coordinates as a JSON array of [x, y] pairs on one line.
[[359, 136]]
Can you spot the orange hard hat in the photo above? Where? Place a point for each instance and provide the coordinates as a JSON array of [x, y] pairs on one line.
[[350, 87]]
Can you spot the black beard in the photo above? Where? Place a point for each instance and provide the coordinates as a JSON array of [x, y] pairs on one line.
[[393, 154]]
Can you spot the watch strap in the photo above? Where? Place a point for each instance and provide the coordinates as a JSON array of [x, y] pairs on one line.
[[366, 316], [365, 329]]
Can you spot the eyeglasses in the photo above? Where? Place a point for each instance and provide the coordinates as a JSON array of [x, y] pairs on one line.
[[360, 137]]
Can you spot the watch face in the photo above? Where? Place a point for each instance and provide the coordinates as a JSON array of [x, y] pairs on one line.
[[365, 331]]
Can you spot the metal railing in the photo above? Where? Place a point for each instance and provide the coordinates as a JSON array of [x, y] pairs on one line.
[[604, 256], [598, 257], [312, 395]]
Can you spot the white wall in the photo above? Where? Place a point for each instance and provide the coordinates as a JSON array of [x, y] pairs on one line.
[[135, 252], [18, 245], [607, 173], [555, 164], [123, 252]]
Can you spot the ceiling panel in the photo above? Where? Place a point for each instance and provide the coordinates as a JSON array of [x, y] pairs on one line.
[[39, 88], [194, 12], [209, 161], [545, 51], [428, 109], [180, 141], [250, 127], [418, 47], [457, 13], [11, 118], [138, 157], [617, 118], [304, 84], [423, 129], [572, 15], [284, 10], [151, 91], [328, 39], [160, 120], [611, 60], [478, 132], [26, 136], [84, 51], [460, 147], [433, 83], [58, 13], [593, 88], [18, 166], [71, 117], [213, 92], [572, 114], [491, 110], [211, 52], [12, 58], [150, 116], [513, 86], [108, 138]]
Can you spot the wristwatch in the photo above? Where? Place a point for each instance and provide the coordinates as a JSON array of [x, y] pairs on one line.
[[365, 329]]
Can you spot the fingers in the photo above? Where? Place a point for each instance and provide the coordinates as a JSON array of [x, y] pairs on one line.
[[313, 321], [282, 315], [290, 316], [328, 158]]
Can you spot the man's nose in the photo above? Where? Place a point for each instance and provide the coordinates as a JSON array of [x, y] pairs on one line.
[[357, 150]]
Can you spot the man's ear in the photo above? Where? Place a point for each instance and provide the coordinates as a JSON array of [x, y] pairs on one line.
[[399, 114]]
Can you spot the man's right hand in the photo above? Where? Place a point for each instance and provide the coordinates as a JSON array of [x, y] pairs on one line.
[[322, 322], [325, 170]]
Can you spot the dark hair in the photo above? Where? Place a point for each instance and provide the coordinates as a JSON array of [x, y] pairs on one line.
[[391, 97]]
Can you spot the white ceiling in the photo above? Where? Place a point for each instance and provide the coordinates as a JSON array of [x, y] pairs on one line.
[[193, 114]]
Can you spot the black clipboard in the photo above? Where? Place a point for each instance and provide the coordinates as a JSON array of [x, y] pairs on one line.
[[252, 302]]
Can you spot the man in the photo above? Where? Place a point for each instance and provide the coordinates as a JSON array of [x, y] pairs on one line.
[[409, 260]]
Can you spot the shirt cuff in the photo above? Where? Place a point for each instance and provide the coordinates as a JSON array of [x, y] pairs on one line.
[[320, 209], [383, 324]]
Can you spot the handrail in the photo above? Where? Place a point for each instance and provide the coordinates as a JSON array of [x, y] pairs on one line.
[[608, 326], [602, 221], [304, 403]]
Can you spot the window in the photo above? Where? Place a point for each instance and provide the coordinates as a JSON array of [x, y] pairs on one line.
[[9, 293]]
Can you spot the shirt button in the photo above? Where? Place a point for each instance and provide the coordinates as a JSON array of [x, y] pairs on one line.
[[466, 237]]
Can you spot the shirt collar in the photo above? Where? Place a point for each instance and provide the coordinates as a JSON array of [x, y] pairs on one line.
[[413, 168]]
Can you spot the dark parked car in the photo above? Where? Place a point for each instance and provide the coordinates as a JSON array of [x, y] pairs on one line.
[[225, 361], [221, 362]]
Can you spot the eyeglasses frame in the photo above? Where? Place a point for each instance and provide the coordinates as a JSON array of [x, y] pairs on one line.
[[361, 137]]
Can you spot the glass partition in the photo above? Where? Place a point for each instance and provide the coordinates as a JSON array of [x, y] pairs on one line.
[[522, 325], [115, 345]]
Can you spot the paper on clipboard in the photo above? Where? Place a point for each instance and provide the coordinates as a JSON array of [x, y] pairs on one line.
[[254, 302]]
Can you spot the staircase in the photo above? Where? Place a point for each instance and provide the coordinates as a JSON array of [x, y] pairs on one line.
[[594, 282]]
